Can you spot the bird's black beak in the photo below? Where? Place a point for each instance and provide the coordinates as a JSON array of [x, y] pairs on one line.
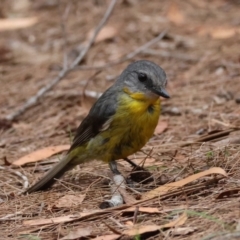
[[164, 93], [161, 92]]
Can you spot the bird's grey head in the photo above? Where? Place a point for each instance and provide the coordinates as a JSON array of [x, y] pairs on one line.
[[145, 77]]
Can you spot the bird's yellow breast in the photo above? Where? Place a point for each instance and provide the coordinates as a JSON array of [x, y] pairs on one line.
[[133, 125]]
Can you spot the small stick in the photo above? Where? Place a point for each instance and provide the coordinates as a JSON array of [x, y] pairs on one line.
[[64, 18], [135, 215], [34, 99]]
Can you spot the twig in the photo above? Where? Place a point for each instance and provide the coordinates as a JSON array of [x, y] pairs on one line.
[[64, 18], [128, 56], [166, 54], [34, 99], [9, 216], [84, 95], [24, 178], [135, 215]]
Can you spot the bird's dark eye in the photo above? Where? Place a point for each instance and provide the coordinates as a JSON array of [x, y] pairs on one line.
[[142, 77]]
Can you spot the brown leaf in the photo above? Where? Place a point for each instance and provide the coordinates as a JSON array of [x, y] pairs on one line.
[[137, 230], [77, 233], [172, 186], [218, 32], [69, 201], [107, 237], [62, 219], [106, 33], [161, 127], [129, 223], [17, 23], [143, 209], [223, 32], [228, 193], [175, 15], [56, 220], [40, 154], [182, 231]]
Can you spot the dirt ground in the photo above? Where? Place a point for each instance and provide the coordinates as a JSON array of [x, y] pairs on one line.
[[200, 53]]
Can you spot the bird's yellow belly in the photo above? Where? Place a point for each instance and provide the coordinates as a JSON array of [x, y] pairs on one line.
[[131, 128]]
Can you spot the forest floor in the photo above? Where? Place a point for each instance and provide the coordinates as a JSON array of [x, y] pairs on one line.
[[197, 132]]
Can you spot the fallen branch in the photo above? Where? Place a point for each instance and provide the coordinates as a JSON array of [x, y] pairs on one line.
[[34, 99]]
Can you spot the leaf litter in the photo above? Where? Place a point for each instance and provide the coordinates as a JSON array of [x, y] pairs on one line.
[[195, 170]]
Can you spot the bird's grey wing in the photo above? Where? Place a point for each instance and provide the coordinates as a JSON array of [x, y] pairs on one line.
[[97, 120]]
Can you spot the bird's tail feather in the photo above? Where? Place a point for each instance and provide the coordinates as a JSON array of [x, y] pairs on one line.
[[56, 172]]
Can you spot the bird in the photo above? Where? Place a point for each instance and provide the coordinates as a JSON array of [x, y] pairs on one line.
[[118, 124]]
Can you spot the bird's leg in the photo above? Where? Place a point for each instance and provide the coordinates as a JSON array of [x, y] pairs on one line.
[[113, 167], [130, 162], [138, 174]]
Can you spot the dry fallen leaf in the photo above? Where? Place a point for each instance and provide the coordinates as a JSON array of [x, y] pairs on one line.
[[182, 231], [62, 219], [106, 33], [16, 23], [129, 223], [143, 209], [172, 186], [77, 233], [56, 220], [175, 15], [137, 230], [69, 201], [107, 237], [223, 32], [161, 127], [228, 193], [40, 154], [218, 32]]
